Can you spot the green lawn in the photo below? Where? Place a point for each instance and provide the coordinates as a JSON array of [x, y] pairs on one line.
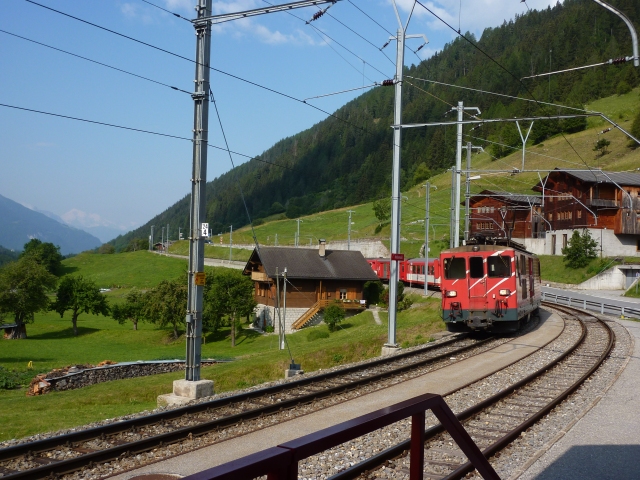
[[140, 269], [256, 359]]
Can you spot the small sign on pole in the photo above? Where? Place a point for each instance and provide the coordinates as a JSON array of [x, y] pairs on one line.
[[200, 279], [397, 257], [205, 229]]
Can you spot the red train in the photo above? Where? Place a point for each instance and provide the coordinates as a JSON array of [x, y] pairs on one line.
[[489, 287], [410, 271]]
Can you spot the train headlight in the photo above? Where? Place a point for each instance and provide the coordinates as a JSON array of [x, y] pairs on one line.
[[452, 293], [505, 292]]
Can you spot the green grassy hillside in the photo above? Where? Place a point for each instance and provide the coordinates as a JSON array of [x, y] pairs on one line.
[[555, 152]]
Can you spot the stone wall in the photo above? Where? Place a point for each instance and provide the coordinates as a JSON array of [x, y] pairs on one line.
[[91, 376]]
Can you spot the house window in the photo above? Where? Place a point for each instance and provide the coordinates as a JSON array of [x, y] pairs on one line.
[[492, 209], [579, 213], [558, 216], [564, 240], [343, 294], [551, 216]]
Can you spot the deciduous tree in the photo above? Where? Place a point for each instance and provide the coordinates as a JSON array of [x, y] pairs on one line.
[[166, 304], [45, 253], [230, 295], [24, 285], [80, 295], [333, 315], [132, 309]]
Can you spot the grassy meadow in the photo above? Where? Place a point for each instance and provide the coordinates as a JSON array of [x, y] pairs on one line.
[[554, 152], [255, 359]]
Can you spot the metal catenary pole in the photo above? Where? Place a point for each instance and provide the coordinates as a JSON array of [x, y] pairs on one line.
[[426, 236], [467, 194], [198, 189], [152, 237], [284, 311], [349, 230], [162, 239], [167, 249], [452, 207], [524, 140], [230, 242]]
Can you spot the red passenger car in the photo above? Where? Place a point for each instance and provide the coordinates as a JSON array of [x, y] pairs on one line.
[[489, 287], [410, 272]]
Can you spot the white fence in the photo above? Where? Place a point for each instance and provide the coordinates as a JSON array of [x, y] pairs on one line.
[[600, 305]]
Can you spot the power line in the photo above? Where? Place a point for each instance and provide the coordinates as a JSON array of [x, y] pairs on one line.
[[370, 17], [253, 232], [269, 89], [474, 45], [139, 130], [165, 10], [96, 62], [319, 31]]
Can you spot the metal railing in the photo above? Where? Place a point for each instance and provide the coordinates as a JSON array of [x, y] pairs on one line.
[[281, 462], [594, 305]]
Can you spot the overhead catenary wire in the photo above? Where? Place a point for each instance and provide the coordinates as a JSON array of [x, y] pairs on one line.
[[320, 33], [142, 77], [139, 130], [511, 74], [224, 136], [165, 10], [250, 82]]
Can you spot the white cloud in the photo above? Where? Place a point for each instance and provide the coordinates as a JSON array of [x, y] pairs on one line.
[[474, 16], [184, 5], [136, 12], [252, 27], [81, 219]]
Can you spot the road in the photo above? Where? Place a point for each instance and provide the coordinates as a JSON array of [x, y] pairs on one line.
[[212, 262]]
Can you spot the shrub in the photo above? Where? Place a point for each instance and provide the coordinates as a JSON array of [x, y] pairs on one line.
[[317, 334], [333, 315], [371, 292], [580, 250], [623, 87]]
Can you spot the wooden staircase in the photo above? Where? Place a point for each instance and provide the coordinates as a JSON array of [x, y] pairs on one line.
[[318, 307]]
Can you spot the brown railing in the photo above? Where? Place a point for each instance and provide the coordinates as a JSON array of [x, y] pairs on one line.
[[281, 462]]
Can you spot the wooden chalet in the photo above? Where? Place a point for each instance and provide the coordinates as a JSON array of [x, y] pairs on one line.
[[316, 277], [576, 199], [496, 214]]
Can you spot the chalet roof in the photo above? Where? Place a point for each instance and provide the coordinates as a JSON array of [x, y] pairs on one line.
[[307, 263], [624, 179], [508, 197]]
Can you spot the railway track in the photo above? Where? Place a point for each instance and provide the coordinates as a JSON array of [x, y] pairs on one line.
[[500, 419], [64, 454]]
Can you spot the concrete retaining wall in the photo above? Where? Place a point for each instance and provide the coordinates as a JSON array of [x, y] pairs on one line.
[[268, 316], [612, 245], [369, 248]]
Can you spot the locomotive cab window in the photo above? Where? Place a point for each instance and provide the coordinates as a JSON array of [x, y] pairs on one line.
[[476, 267], [454, 268], [499, 266]]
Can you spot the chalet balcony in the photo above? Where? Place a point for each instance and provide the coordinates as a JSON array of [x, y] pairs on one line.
[[259, 276], [601, 203]]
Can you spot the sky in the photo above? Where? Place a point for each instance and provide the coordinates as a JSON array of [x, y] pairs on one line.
[[95, 175]]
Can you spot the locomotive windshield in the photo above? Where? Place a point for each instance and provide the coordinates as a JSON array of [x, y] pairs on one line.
[[454, 268], [499, 266]]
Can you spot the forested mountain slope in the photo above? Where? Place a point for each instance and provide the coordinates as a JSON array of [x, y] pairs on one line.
[[347, 160]]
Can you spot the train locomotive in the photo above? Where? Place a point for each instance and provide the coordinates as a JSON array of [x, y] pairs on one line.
[[411, 272], [489, 287]]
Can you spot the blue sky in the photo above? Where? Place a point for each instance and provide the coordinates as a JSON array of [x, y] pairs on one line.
[[96, 175]]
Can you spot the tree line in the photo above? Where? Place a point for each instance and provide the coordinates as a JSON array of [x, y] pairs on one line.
[[339, 163], [32, 284]]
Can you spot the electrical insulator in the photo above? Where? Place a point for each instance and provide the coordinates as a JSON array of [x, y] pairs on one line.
[[317, 15], [387, 83], [617, 61], [420, 48], [383, 46]]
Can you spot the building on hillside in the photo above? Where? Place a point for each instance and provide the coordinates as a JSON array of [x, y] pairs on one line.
[[604, 203], [502, 214], [315, 278]]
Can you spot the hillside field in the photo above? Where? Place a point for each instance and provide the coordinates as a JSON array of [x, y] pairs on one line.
[[255, 359]]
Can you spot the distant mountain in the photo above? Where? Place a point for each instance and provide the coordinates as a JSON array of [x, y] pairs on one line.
[[19, 224]]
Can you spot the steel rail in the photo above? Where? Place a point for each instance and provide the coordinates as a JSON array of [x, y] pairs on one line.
[[515, 433], [73, 464], [399, 449]]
